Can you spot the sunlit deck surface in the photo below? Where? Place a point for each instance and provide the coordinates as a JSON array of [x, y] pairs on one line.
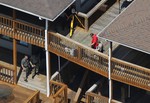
[[19, 94], [83, 37], [38, 83], [121, 52]]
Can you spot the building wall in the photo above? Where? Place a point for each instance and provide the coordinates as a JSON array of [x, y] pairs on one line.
[[9, 45], [85, 5]]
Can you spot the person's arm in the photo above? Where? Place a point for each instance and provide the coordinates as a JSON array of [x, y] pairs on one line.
[[23, 68], [32, 65]]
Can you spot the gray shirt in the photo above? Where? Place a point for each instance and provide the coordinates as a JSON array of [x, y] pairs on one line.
[[25, 62]]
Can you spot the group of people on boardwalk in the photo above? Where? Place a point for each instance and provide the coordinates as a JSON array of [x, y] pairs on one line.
[[96, 43], [30, 65]]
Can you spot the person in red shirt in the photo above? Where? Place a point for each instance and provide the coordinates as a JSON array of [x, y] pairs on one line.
[[94, 42]]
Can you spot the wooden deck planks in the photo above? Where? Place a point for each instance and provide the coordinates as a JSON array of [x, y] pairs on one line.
[[83, 37], [19, 94]]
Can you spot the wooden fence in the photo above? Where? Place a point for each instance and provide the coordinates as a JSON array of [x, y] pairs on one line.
[[95, 98], [58, 92], [7, 72]]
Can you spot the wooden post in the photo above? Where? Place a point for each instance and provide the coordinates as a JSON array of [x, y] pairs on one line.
[[14, 49], [59, 68], [80, 87], [123, 94], [65, 94], [86, 23], [109, 72], [48, 72], [15, 60], [119, 6]]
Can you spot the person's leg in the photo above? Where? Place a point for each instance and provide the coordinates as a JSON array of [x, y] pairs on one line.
[[33, 72], [26, 74], [37, 69]]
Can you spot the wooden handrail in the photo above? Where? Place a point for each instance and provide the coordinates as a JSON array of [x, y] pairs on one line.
[[60, 45], [130, 74], [34, 98], [130, 64], [7, 72], [56, 40], [61, 91], [57, 83], [91, 12], [6, 65], [70, 41], [100, 97]]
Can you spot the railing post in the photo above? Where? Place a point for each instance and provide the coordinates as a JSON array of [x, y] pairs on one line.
[[59, 68], [79, 53], [14, 25], [14, 49], [65, 94], [86, 23], [109, 72], [47, 59], [129, 91]]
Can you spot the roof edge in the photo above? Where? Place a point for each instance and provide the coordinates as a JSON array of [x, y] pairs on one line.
[[126, 45], [118, 42], [37, 14], [63, 10]]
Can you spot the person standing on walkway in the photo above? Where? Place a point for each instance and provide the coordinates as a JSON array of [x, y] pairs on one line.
[[100, 47], [94, 42], [35, 64], [25, 67]]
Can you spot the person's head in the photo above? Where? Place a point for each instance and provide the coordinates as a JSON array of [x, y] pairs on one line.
[[26, 56], [91, 34]]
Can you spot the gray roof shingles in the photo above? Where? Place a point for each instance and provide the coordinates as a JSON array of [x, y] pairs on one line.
[[132, 27], [48, 9]]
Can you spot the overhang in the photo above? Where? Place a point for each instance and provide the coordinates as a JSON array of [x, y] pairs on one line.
[[132, 27], [46, 9]]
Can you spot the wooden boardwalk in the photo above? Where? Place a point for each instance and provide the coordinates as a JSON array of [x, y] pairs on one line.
[[19, 94], [83, 37]]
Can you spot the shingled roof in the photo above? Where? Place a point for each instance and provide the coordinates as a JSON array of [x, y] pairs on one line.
[[46, 9], [132, 27]]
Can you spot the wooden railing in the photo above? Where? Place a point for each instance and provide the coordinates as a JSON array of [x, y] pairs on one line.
[[7, 72], [95, 98], [34, 98], [6, 26], [131, 74], [58, 92], [77, 53], [73, 51], [91, 12], [98, 62], [22, 31]]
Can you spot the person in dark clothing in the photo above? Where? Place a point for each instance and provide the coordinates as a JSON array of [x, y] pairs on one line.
[[25, 67], [35, 64]]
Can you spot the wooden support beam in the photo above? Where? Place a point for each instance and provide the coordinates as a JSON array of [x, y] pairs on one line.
[[80, 87], [14, 49], [123, 94], [66, 96], [15, 60]]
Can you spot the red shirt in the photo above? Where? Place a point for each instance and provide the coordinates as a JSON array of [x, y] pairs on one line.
[[95, 41]]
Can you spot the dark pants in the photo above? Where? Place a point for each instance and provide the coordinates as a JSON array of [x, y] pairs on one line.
[[26, 73]]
